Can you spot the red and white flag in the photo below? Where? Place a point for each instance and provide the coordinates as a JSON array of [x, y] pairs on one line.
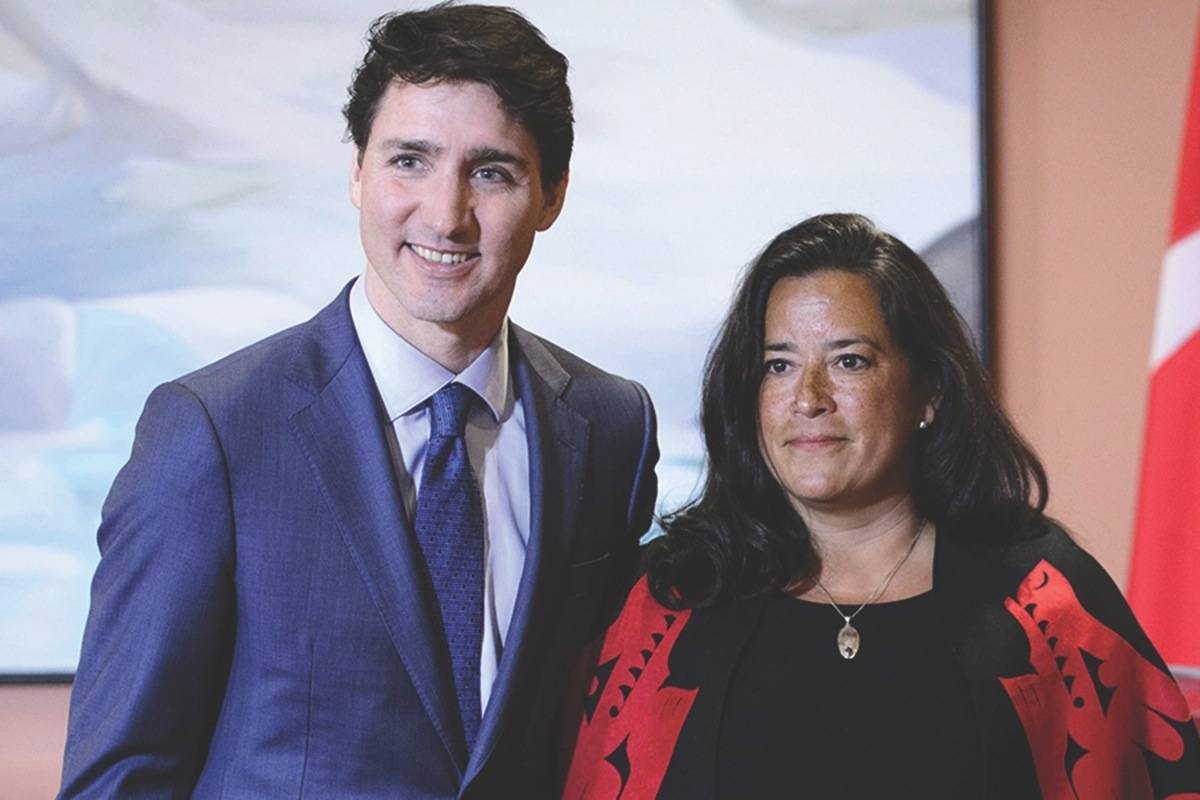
[[1164, 586]]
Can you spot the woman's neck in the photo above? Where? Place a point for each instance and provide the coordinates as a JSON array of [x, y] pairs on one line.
[[858, 549]]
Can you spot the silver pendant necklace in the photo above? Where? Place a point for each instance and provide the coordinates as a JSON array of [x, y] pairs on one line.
[[849, 639]]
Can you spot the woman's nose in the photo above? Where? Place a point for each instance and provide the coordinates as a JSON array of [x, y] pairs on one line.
[[813, 396]]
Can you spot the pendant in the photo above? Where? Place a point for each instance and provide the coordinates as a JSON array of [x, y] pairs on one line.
[[848, 641]]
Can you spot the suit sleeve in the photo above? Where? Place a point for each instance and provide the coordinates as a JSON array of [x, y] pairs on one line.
[[645, 484], [159, 633], [644, 491]]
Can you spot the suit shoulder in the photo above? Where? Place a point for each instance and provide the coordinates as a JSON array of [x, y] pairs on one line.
[[302, 354], [580, 368], [587, 381]]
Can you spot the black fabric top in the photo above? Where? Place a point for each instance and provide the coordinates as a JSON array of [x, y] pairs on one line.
[[801, 721]]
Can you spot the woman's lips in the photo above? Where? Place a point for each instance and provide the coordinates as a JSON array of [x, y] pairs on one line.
[[815, 441]]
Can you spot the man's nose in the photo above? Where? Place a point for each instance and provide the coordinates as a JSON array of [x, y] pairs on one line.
[[813, 396], [448, 208]]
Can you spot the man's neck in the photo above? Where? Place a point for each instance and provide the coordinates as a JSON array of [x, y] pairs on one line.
[[454, 345], [450, 348]]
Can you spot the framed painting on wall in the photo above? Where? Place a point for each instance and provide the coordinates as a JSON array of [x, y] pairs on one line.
[[175, 187]]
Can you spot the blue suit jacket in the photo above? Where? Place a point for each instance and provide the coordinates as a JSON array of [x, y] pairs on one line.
[[260, 625]]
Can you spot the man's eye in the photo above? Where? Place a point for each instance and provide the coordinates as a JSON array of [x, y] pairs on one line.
[[492, 175], [405, 161]]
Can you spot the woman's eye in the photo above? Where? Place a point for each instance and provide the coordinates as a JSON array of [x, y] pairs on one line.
[[775, 366], [851, 361]]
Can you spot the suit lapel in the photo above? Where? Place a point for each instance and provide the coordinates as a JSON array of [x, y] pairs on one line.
[[342, 433], [558, 440]]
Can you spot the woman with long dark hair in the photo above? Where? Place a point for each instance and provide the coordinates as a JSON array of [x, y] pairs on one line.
[[867, 599]]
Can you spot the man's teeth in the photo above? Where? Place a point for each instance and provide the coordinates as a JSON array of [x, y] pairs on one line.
[[439, 257]]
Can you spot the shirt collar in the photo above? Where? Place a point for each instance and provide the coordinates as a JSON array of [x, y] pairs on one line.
[[406, 377]]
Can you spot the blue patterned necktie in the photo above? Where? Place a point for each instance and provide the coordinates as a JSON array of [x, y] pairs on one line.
[[449, 527]]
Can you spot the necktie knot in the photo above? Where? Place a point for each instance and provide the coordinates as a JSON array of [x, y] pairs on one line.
[[448, 409]]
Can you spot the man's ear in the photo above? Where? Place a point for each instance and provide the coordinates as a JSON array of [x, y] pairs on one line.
[[356, 178], [554, 199]]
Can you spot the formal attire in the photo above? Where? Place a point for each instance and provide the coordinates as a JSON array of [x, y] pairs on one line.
[[263, 622], [497, 447], [1022, 674]]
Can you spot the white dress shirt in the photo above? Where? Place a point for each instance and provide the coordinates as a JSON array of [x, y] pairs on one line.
[[496, 445]]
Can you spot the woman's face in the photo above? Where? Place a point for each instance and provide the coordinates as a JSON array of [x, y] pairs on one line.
[[836, 408]]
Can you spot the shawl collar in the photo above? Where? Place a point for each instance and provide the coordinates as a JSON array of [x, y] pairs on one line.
[[970, 583], [731, 627]]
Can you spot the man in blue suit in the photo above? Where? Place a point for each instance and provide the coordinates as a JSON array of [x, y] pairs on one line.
[[313, 584]]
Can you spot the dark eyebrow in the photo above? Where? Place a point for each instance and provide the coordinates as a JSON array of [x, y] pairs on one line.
[[836, 344], [416, 145], [495, 155]]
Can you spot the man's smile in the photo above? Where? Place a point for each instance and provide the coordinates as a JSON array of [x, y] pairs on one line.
[[441, 256]]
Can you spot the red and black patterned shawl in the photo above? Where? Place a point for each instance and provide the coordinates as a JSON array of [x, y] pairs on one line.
[[1069, 697]]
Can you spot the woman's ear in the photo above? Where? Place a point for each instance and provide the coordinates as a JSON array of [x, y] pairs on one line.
[[929, 410]]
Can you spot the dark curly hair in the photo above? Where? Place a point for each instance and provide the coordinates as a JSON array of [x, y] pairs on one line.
[[491, 45], [973, 475]]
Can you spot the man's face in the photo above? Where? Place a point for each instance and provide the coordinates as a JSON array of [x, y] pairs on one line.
[[449, 194]]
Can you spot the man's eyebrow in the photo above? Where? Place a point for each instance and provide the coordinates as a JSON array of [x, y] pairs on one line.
[[495, 155], [416, 145]]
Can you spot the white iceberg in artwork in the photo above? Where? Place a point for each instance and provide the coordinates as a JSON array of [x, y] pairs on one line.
[[37, 359]]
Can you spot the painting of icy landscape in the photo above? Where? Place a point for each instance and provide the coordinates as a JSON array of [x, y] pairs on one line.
[[173, 185]]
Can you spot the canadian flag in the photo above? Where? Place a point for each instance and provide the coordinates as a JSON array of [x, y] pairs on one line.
[[1164, 586]]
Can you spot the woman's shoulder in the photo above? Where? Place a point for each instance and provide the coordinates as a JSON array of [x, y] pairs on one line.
[[643, 613], [1046, 574], [656, 669], [631, 714], [1078, 669], [1043, 541]]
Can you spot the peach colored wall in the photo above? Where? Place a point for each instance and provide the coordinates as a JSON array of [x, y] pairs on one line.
[[1088, 102], [1087, 107], [33, 724]]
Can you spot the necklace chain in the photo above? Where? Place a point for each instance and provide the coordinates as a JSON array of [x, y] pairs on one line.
[[882, 587]]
